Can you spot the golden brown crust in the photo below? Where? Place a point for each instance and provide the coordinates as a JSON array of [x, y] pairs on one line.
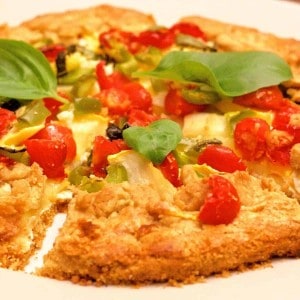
[[24, 213], [230, 37], [127, 234], [66, 27]]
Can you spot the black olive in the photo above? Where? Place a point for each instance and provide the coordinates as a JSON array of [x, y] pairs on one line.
[[114, 132], [11, 104], [61, 64]]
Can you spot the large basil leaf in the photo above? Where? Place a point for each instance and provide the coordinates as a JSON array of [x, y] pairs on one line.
[[25, 73], [154, 141], [228, 73]]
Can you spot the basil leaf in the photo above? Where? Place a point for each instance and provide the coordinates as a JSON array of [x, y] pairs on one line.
[[154, 141], [229, 73], [25, 73]]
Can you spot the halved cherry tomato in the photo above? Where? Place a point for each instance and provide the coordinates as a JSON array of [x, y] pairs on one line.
[[119, 94], [102, 147], [60, 133], [265, 98], [222, 203], [116, 101], [176, 105], [7, 117], [250, 138], [221, 158], [160, 38], [49, 154], [114, 80], [138, 117], [139, 97], [189, 29], [51, 51], [170, 170]]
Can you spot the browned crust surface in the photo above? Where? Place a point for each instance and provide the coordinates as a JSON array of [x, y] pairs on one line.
[[22, 221], [230, 37], [129, 234], [67, 26]]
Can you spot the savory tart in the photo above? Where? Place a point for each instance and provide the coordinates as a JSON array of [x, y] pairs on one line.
[[178, 149]]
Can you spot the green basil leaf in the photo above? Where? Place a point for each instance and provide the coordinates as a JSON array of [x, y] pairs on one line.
[[154, 141], [228, 73], [25, 73]]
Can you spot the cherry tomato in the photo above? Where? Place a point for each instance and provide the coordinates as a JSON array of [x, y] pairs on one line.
[[60, 133], [7, 117], [51, 51], [53, 106], [265, 98], [114, 80], [49, 154], [161, 38], [116, 35], [176, 105], [139, 97], [287, 120], [250, 138], [116, 100], [138, 117], [170, 170], [189, 29], [102, 147], [221, 158], [222, 203]]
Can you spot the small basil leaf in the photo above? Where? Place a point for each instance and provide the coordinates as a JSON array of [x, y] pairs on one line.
[[228, 73], [25, 73], [154, 141]]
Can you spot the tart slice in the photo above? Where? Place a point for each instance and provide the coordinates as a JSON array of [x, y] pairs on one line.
[[25, 212], [143, 232]]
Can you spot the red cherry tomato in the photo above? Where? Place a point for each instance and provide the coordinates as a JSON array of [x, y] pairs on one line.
[[189, 29], [265, 98], [60, 133], [221, 158], [53, 106], [7, 117], [49, 154], [51, 51], [222, 203], [161, 38], [176, 105], [102, 147], [170, 170], [114, 80], [250, 138], [138, 117], [116, 101], [139, 97]]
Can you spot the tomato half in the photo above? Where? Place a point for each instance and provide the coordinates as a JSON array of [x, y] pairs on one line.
[[170, 170], [222, 203], [176, 105], [267, 98], [49, 154], [250, 136], [7, 117], [102, 147], [188, 29], [221, 158], [60, 133], [138, 117]]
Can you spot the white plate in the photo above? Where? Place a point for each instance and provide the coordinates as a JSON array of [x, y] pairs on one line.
[[280, 281]]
